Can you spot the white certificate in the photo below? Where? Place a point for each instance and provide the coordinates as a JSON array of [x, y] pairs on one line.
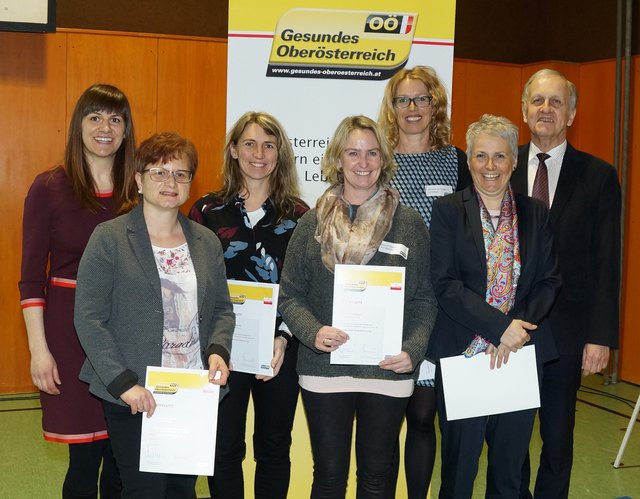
[[472, 389], [368, 304], [180, 437], [255, 305]]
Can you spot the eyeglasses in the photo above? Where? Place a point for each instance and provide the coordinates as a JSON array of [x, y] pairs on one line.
[[162, 175], [403, 101], [482, 158]]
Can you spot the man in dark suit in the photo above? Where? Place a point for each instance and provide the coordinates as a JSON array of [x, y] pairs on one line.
[[583, 193]]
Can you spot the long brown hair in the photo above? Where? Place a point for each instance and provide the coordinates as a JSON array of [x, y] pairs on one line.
[[283, 181], [105, 98]]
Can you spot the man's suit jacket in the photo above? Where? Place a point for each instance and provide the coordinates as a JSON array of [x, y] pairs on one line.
[[118, 311], [459, 274], [585, 219]]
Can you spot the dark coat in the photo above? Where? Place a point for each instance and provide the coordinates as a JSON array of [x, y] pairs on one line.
[[459, 274], [585, 220]]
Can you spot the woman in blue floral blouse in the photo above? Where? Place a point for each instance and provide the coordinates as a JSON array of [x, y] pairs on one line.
[[254, 216]]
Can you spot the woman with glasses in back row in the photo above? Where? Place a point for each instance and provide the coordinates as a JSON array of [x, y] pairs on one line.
[[151, 292], [62, 208], [414, 118]]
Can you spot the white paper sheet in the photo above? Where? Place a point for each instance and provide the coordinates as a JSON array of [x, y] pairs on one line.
[[255, 305], [427, 370], [472, 389], [368, 304], [180, 437]]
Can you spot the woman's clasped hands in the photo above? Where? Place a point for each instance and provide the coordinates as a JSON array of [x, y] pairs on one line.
[[512, 340]]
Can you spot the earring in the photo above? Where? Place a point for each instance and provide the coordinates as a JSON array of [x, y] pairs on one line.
[[139, 191]]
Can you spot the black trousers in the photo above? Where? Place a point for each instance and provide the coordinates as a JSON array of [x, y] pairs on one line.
[[274, 405], [507, 436], [330, 418], [560, 383], [124, 430]]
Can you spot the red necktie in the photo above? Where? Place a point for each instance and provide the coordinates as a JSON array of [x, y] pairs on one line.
[[541, 183]]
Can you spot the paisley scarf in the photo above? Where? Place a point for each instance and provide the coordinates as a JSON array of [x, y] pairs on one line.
[[502, 247]]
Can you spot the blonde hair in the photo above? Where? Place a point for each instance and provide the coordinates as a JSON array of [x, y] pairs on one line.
[[331, 159], [440, 126]]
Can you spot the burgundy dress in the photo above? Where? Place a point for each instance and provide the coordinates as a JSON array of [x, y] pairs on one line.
[[56, 229]]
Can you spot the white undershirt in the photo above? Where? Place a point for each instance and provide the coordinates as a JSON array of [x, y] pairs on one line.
[[255, 216], [344, 384]]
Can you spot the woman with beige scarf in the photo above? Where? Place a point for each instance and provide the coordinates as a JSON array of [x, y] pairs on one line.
[[357, 221]]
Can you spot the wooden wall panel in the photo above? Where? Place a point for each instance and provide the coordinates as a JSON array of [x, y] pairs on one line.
[[128, 62], [630, 340], [480, 88], [590, 35], [595, 119], [192, 95], [32, 124]]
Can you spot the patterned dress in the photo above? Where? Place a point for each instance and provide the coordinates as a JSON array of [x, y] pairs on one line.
[[56, 228], [423, 177]]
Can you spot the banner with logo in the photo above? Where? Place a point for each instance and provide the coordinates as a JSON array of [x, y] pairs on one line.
[[310, 64]]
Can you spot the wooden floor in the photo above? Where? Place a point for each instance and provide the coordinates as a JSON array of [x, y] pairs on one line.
[[32, 468]]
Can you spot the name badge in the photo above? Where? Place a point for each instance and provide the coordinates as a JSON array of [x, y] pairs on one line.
[[394, 249], [437, 191]]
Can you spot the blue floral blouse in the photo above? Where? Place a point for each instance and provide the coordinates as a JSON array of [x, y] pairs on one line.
[[251, 253]]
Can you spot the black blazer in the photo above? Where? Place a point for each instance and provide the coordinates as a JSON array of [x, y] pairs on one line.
[[459, 274], [585, 220]]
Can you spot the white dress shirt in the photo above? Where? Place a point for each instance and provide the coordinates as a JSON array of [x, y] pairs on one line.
[[554, 163]]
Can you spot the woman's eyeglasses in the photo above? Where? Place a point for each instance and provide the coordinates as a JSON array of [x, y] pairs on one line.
[[162, 175], [403, 101]]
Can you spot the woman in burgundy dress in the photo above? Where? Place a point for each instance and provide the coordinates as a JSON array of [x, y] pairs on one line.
[[62, 208]]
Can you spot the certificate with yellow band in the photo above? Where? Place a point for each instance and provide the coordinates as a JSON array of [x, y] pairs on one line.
[[255, 305], [180, 437], [368, 305]]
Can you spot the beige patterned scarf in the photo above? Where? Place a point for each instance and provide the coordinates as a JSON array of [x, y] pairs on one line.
[[347, 242]]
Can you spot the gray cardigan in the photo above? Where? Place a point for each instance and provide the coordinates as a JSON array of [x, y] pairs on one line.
[[118, 308], [306, 295]]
